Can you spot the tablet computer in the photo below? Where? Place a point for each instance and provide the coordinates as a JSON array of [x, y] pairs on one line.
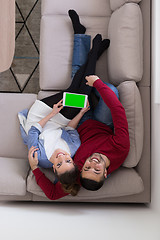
[[74, 100]]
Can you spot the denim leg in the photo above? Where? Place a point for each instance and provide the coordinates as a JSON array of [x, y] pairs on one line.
[[86, 116], [80, 51], [102, 113]]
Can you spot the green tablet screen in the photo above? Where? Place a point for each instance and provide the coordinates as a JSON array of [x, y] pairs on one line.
[[75, 100]]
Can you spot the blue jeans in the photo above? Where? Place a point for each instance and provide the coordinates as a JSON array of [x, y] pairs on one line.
[[80, 51], [101, 112]]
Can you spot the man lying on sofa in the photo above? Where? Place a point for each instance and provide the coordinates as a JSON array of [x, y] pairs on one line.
[[102, 149]]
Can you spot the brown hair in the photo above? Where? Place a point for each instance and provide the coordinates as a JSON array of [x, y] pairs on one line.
[[68, 181]]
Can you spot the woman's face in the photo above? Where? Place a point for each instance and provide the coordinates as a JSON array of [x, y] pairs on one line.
[[62, 161]]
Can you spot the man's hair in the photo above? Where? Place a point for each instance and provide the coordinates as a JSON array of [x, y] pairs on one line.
[[91, 184], [68, 180]]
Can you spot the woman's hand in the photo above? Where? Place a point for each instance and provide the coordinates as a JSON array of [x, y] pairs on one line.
[[57, 107], [74, 122], [91, 79], [33, 160], [84, 110]]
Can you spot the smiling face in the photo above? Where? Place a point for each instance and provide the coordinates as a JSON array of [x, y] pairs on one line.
[[62, 161], [94, 167]]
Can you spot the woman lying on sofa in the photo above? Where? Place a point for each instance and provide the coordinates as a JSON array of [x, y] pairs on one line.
[[51, 129]]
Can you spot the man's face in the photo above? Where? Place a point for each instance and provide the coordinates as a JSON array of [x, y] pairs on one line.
[[94, 167]]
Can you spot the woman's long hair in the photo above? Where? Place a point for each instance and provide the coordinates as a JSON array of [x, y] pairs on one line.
[[68, 181]]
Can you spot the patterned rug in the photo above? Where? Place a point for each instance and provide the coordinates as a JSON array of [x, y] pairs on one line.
[[23, 76]]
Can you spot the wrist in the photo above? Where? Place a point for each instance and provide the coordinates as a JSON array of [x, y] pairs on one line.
[[34, 167], [81, 113], [96, 81]]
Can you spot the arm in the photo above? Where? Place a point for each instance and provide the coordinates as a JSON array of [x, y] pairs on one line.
[[116, 108], [33, 137], [52, 191], [72, 138], [56, 109], [74, 122], [70, 134], [33, 140]]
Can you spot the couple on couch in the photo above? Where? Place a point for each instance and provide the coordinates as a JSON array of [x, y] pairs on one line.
[[83, 146]]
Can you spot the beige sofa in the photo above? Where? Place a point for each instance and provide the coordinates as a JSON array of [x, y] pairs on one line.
[[126, 64]]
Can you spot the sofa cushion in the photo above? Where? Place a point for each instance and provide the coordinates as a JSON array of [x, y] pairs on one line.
[[57, 49], [125, 54], [120, 183], [44, 94], [13, 174], [91, 8], [11, 143], [114, 4], [131, 101]]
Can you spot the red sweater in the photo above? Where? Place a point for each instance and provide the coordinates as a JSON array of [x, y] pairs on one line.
[[51, 190], [96, 137]]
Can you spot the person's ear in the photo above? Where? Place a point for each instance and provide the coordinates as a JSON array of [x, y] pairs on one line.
[[105, 173], [53, 169]]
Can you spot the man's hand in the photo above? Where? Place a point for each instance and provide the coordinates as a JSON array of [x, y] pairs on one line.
[[33, 160], [91, 79]]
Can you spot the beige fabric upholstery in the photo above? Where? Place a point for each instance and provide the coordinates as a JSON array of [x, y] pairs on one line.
[[120, 183], [13, 174], [43, 94], [125, 54], [86, 8], [131, 101], [114, 4], [58, 48], [11, 143]]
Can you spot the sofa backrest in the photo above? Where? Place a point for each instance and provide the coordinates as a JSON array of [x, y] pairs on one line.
[[125, 54], [115, 4], [56, 38]]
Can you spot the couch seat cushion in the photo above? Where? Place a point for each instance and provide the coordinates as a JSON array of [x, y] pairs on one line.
[[11, 143], [90, 8], [13, 174]]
